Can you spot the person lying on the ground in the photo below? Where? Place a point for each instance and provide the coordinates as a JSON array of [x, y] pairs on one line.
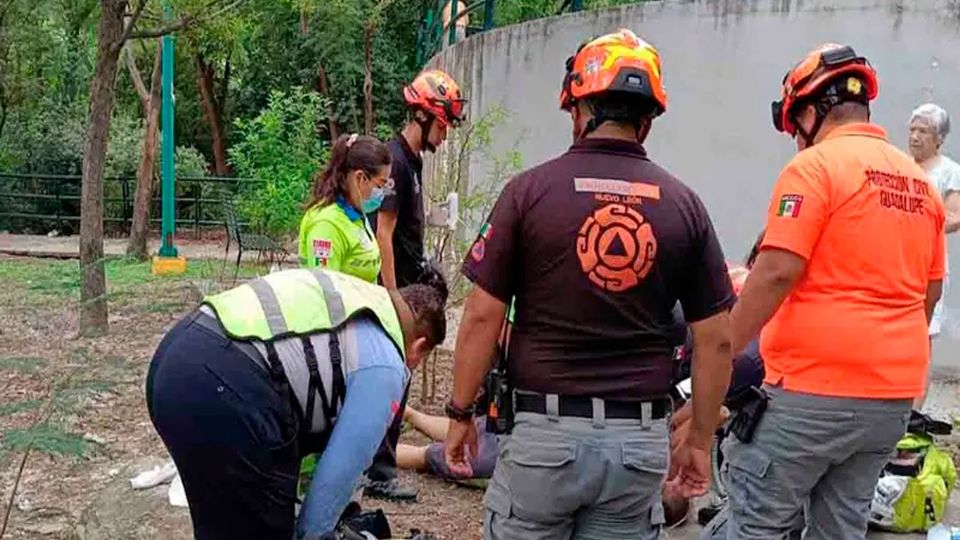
[[238, 391], [430, 458]]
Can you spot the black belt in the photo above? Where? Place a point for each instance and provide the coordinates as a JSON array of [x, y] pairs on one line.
[[582, 407]]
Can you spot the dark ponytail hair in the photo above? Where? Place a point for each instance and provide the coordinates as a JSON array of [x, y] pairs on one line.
[[349, 153]]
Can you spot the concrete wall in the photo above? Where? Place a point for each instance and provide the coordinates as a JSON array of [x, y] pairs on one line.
[[723, 61]]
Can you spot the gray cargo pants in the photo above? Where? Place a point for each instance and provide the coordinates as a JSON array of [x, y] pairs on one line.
[[560, 478], [824, 453]]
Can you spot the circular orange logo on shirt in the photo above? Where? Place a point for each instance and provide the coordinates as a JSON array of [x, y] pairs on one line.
[[616, 247]]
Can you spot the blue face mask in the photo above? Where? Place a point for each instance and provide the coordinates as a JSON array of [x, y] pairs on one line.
[[373, 203]]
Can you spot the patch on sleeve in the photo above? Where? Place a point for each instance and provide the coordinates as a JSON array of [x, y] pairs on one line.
[[322, 250], [479, 249], [790, 206], [486, 231]]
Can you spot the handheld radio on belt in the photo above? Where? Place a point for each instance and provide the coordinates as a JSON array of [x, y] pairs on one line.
[[499, 391]]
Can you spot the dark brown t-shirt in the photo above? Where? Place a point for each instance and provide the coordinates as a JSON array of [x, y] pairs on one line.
[[597, 246]]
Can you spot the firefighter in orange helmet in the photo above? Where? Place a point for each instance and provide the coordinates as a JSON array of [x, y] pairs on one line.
[[591, 369], [618, 64], [847, 276], [436, 104], [830, 75]]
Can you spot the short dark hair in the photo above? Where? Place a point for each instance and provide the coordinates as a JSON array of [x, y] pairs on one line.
[[432, 275], [349, 153], [622, 107], [849, 111], [429, 314]]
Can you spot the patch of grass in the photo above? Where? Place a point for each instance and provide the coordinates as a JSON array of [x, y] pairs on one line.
[[6, 409], [68, 400], [45, 438], [94, 386], [117, 362], [23, 364], [125, 276], [164, 307]]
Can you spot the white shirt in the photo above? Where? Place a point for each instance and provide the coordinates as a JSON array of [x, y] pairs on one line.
[[944, 173]]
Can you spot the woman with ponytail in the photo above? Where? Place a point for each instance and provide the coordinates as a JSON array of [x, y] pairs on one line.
[[334, 232]]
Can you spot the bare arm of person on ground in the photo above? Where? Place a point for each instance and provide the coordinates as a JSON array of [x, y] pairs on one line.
[[712, 357], [386, 224], [482, 321]]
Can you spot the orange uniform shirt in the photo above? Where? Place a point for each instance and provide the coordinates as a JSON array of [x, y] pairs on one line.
[[870, 226]]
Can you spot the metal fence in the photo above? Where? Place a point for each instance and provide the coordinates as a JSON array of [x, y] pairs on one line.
[[53, 201], [432, 33]]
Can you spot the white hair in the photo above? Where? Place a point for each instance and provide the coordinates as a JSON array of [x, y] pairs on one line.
[[933, 115]]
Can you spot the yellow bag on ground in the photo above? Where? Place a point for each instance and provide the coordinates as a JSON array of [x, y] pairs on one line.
[[912, 494]]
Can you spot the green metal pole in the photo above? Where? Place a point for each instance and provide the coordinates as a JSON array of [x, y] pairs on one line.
[[454, 4], [167, 172], [488, 15]]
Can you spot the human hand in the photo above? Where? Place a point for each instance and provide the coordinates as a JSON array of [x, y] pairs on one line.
[[681, 423], [690, 464], [685, 413], [459, 446]]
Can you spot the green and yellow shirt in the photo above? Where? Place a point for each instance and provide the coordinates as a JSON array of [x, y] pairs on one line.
[[338, 237]]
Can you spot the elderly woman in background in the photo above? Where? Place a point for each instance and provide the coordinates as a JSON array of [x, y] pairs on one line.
[[929, 126]]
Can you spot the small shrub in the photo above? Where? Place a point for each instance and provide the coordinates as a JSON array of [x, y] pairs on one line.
[[281, 149]]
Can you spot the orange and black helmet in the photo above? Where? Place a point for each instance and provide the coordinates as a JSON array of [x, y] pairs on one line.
[[437, 94], [830, 71], [618, 62]]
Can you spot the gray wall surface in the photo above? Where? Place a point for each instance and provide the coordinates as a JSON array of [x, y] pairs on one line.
[[723, 62]]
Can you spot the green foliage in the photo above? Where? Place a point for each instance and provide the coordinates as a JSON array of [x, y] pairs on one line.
[[46, 279], [188, 161], [7, 409], [281, 149], [517, 11], [47, 438], [472, 143], [22, 364]]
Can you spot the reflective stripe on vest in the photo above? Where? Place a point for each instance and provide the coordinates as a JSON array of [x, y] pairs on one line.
[[302, 302]]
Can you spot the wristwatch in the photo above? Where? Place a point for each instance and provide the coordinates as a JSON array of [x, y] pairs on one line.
[[454, 412]]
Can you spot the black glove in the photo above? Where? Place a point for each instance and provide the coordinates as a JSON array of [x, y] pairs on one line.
[[373, 522]]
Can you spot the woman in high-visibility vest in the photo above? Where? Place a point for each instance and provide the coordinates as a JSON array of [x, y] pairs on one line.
[[334, 233]]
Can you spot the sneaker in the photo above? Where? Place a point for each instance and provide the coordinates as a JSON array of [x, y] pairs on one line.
[[390, 490]]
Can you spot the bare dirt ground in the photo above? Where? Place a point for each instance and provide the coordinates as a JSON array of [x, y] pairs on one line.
[[79, 403]]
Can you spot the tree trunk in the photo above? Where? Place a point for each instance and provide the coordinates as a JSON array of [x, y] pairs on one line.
[[368, 80], [212, 111], [93, 291], [140, 225], [323, 88]]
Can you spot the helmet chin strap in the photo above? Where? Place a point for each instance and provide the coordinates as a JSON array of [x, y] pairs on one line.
[[425, 126], [598, 119], [821, 109]]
